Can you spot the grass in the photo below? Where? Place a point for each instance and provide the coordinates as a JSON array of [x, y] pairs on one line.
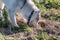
[[49, 8], [2, 37]]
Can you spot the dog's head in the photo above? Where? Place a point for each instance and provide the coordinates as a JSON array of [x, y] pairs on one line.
[[35, 18], [38, 15]]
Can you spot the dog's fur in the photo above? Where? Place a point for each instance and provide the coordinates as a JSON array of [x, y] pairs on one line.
[[1, 7], [27, 9]]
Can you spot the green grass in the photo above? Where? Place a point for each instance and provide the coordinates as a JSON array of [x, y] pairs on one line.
[[2, 37], [46, 6]]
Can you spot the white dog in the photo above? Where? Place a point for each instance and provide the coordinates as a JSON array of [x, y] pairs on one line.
[[28, 10]]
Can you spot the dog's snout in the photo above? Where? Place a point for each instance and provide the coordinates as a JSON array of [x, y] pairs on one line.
[[38, 15]]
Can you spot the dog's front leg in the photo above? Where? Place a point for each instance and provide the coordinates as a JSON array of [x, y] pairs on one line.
[[12, 16]]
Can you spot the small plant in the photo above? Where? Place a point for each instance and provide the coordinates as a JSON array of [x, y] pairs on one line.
[[2, 37], [28, 29], [53, 38], [42, 36], [5, 14]]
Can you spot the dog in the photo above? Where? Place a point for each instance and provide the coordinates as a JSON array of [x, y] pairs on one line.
[[28, 10]]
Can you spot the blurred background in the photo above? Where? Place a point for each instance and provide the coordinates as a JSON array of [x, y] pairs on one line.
[[50, 29]]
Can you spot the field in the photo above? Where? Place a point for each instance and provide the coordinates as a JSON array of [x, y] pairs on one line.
[[49, 28]]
